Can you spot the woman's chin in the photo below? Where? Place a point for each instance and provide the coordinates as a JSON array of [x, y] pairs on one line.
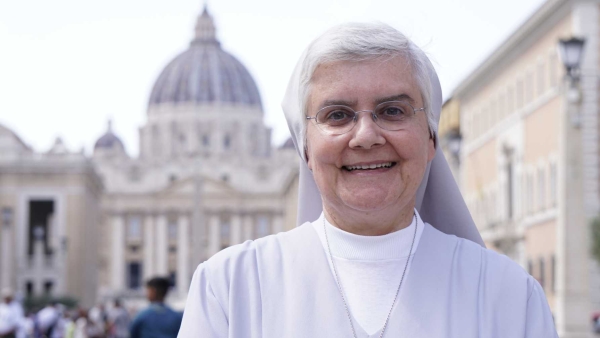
[[366, 202]]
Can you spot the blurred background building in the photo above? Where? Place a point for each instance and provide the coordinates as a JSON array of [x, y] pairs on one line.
[[522, 136], [206, 178]]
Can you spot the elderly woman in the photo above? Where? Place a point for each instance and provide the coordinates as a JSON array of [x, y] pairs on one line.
[[388, 247]]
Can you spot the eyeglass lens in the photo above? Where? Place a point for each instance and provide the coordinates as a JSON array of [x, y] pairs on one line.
[[388, 115]]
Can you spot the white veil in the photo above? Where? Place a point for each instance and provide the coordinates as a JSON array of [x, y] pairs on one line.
[[438, 201]]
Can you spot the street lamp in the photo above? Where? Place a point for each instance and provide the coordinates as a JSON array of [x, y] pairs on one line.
[[570, 53]]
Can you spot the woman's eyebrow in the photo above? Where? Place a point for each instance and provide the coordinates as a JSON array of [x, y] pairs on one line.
[[399, 97], [337, 103]]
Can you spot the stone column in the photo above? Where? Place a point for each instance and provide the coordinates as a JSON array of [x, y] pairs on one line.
[[572, 266], [6, 256], [161, 246], [118, 253], [149, 246], [248, 224], [214, 240], [277, 224], [183, 255], [236, 230]]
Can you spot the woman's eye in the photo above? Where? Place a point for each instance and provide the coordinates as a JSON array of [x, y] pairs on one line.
[[337, 115], [393, 111]]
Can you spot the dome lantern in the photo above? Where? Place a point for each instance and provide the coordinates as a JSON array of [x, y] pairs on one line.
[[205, 29]]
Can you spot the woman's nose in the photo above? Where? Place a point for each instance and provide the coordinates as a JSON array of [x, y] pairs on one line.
[[366, 134]]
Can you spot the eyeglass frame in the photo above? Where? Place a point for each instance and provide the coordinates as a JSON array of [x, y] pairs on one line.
[[355, 118]]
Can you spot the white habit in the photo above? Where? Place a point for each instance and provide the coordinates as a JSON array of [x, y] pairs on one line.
[[282, 286]]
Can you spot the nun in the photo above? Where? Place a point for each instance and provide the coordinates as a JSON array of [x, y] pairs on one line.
[[386, 246]]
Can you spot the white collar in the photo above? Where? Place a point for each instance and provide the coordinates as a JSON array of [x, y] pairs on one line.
[[350, 246]]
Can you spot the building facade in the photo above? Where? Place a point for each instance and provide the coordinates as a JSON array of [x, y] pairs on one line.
[[528, 174], [50, 206], [206, 178]]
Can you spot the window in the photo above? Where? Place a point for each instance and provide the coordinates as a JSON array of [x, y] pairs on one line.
[[485, 120], [502, 106], [529, 194], [553, 273], [494, 113], [262, 226], [509, 189], [510, 100], [48, 287], [172, 229], [156, 144], [134, 275], [529, 87], [553, 184], [554, 69], [175, 147], [227, 142], [225, 232], [205, 140], [541, 189], [29, 289], [135, 173], [541, 78], [542, 275], [520, 93], [172, 279], [134, 228]]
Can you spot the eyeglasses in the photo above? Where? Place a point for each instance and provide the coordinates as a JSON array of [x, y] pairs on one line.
[[338, 119]]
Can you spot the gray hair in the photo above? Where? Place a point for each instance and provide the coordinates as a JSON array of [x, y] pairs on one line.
[[366, 42]]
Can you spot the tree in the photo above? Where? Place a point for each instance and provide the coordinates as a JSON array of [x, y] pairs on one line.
[[595, 232]]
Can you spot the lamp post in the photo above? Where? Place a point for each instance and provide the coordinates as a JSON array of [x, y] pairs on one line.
[[573, 306]]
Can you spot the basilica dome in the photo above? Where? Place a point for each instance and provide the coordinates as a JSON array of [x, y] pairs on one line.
[[205, 74], [109, 140]]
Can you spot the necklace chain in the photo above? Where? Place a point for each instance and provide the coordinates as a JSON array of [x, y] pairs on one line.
[[338, 281]]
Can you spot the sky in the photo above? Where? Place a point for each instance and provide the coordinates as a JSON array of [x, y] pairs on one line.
[[68, 66]]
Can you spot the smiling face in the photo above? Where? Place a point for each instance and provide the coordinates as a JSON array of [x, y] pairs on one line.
[[379, 199]]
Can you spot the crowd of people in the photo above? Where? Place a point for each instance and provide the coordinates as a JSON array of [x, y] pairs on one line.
[[110, 320]]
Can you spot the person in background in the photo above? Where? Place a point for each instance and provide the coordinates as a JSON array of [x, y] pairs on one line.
[[118, 321], [59, 328], [11, 315], [47, 319], [97, 321], [28, 325], [158, 320]]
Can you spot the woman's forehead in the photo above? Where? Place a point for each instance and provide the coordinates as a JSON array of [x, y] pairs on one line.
[[348, 82]]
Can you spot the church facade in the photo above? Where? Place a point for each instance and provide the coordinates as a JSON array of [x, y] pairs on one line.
[[206, 178]]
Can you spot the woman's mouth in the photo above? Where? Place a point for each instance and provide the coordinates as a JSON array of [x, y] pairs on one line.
[[369, 166]]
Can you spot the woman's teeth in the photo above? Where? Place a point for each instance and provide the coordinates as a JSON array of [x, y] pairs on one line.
[[369, 166]]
